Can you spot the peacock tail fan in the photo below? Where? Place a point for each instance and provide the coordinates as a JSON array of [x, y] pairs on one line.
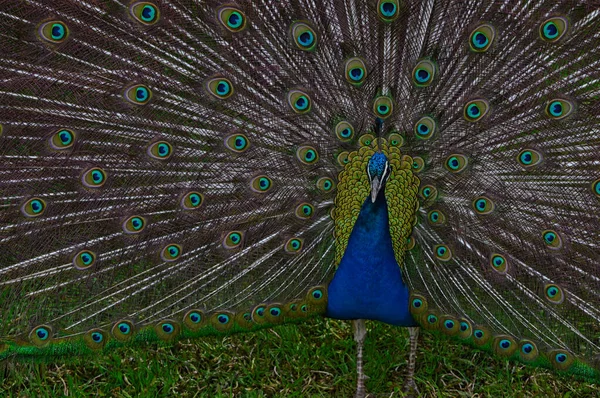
[[173, 169]]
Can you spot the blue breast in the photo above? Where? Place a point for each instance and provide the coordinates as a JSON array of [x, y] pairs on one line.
[[368, 283]]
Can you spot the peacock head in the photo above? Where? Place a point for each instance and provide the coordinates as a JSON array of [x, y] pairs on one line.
[[378, 170]]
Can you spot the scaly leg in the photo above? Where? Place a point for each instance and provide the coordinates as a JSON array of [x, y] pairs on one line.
[[412, 359], [360, 331]]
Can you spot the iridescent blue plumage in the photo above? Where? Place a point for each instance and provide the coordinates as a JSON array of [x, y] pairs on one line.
[[368, 282]]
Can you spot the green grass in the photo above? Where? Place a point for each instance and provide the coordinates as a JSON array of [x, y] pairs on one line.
[[313, 359]]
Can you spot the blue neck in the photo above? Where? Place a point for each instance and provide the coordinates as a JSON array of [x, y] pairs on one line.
[[368, 282]]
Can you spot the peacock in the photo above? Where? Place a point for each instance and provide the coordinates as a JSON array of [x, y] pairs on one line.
[[172, 169]]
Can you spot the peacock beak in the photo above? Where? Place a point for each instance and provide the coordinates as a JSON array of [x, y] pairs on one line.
[[375, 187]]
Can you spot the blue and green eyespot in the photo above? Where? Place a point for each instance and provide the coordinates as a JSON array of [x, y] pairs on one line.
[[54, 32], [425, 128], [299, 101], [355, 71], [219, 87], [418, 164], [456, 163], [344, 131], [436, 217], [138, 94], [561, 359], [553, 29], [424, 73], [307, 155], [395, 140], [145, 12], [325, 184], [34, 207], [93, 178], [343, 158], [552, 239], [170, 252], [388, 10], [498, 263], [233, 19], [194, 319], [192, 200], [428, 192], [483, 205], [504, 345], [41, 335], [62, 139], [442, 252], [528, 351], [293, 245], [304, 36], [529, 158], [304, 211], [482, 38], [596, 187], [554, 293], [476, 109], [160, 150], [233, 239], [237, 143], [383, 107], [261, 184], [122, 330], [559, 109], [134, 225], [84, 259]]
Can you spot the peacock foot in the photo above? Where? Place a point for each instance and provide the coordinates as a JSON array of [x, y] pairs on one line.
[[410, 389]]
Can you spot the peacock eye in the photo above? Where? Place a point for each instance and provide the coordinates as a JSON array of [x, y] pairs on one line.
[[529, 158], [425, 128], [170, 252], [325, 184], [94, 178], [307, 155], [237, 143], [134, 225], [498, 263], [261, 184], [442, 252], [428, 192], [54, 31], [396, 140], [84, 259], [219, 87], [304, 210], [559, 109], [62, 139], [355, 71], [299, 101], [456, 163], [233, 239], [145, 12], [596, 187], [344, 131], [418, 164], [233, 19], [160, 150], [293, 245], [475, 110], [481, 38], [436, 217], [483, 205], [304, 36], [388, 10], [554, 293], [138, 94], [192, 200], [552, 239], [553, 29], [34, 207], [424, 73], [383, 107]]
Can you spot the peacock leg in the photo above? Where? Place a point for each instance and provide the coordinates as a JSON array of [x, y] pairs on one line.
[[412, 359], [360, 332]]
